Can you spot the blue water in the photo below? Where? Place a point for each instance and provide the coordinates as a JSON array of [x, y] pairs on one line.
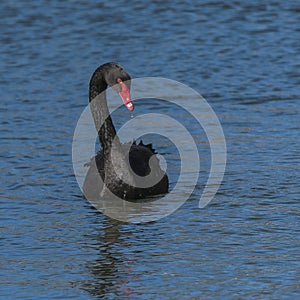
[[243, 58]]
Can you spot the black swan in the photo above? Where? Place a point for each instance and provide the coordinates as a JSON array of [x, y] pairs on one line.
[[113, 169]]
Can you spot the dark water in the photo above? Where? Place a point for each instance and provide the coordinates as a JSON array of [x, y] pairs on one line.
[[244, 58]]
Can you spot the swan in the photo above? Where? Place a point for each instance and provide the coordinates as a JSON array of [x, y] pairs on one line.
[[124, 177]]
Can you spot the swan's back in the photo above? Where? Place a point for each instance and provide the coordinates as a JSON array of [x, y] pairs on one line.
[[139, 159]]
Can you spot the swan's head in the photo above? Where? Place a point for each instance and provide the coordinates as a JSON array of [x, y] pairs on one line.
[[119, 80]]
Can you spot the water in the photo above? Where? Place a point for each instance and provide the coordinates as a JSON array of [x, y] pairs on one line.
[[244, 58]]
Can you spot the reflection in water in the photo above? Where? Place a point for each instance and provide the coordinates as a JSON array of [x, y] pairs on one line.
[[111, 269]]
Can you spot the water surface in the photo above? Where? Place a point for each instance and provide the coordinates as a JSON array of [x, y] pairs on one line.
[[243, 58]]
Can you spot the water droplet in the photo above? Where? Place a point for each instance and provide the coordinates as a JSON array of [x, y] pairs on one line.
[[131, 115]]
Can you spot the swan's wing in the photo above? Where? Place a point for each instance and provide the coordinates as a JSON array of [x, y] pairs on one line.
[[149, 146], [139, 158]]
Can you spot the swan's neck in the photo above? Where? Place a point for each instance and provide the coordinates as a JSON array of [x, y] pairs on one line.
[[116, 167], [103, 122]]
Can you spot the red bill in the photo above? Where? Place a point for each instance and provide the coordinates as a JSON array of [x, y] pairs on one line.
[[125, 95]]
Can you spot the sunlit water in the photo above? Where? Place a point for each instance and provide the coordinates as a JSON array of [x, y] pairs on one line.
[[243, 58]]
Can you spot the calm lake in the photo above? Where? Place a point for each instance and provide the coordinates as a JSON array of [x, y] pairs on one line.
[[244, 58]]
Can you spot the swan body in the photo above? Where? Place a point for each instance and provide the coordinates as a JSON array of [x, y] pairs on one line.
[[124, 169]]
